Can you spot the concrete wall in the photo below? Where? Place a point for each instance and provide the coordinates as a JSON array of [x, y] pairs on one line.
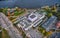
[[27, 3]]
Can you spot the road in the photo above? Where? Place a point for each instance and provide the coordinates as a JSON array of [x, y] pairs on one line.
[[5, 22], [34, 33]]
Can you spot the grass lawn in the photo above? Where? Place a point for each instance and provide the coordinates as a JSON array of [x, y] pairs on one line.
[[16, 13], [0, 34], [5, 34]]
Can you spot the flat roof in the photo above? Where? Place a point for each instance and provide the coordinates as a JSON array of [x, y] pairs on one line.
[[32, 16], [49, 22]]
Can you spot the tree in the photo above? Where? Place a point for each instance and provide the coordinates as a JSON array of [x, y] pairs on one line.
[[49, 15]]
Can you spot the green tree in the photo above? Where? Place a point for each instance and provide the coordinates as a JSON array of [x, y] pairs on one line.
[[49, 15]]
